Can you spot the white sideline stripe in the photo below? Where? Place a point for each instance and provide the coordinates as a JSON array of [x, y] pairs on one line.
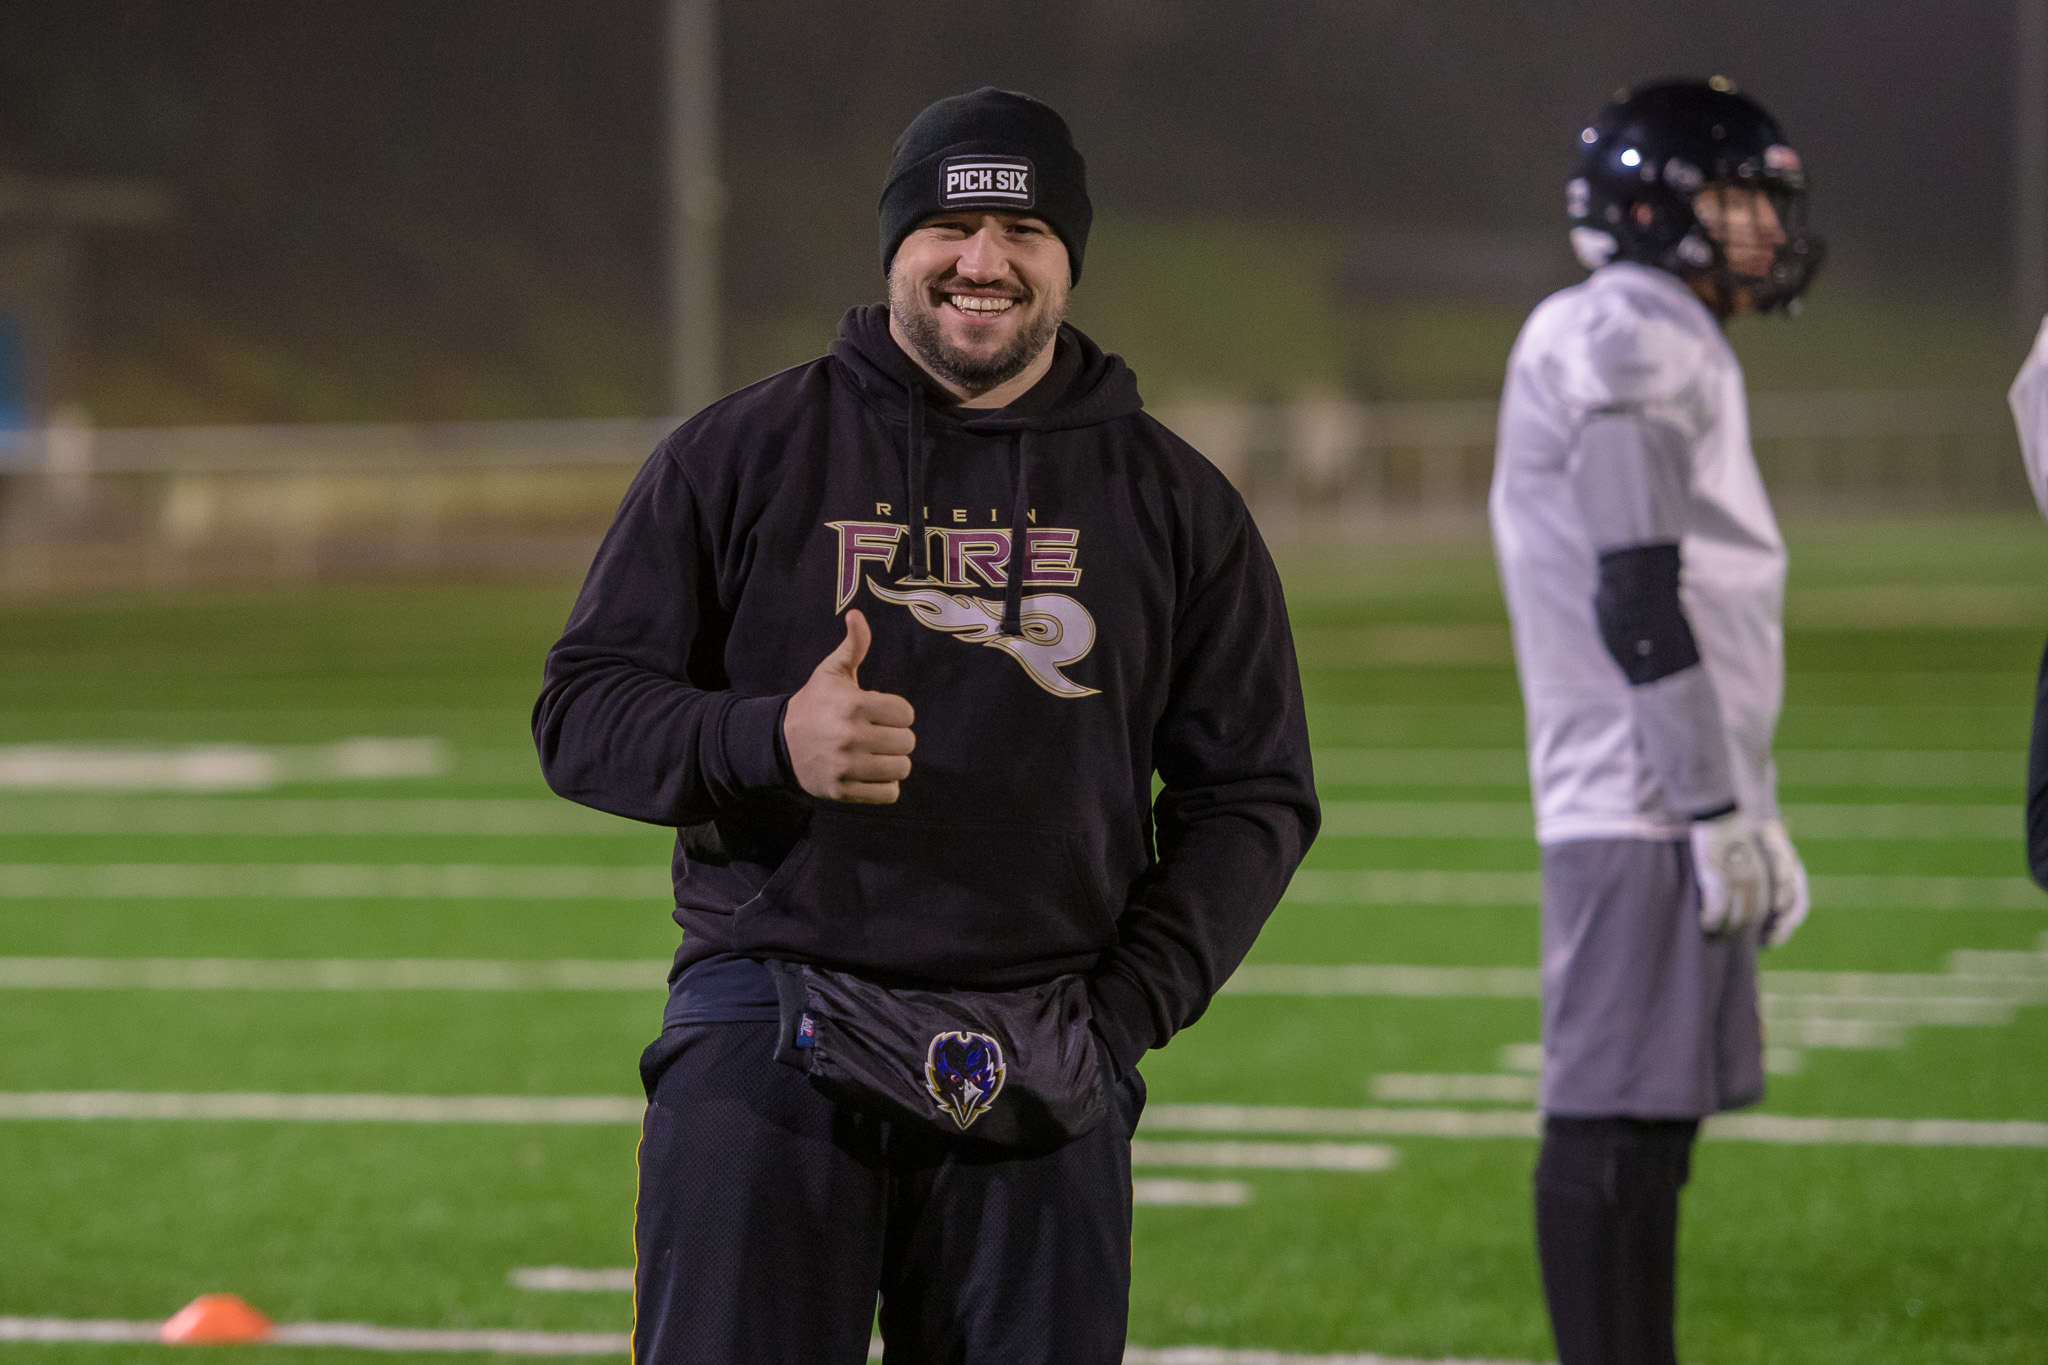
[[360, 1336], [1185, 1118], [1381, 887], [1513, 820], [327, 974], [1897, 768], [367, 1338], [570, 1279], [1462, 1123], [76, 1329], [127, 816], [330, 881], [364, 1337], [1266, 1156], [1191, 1193], [213, 767], [232, 1105]]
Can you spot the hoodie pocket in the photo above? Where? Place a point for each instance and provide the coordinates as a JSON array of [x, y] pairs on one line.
[[949, 901]]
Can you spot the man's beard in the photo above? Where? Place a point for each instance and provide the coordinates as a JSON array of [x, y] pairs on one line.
[[918, 319]]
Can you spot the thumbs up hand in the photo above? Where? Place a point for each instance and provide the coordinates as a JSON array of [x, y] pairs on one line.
[[844, 743]]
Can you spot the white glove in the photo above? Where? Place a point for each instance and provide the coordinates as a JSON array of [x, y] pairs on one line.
[[1789, 898], [1735, 880]]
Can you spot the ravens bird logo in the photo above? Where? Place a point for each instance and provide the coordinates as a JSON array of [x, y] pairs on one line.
[[964, 1072]]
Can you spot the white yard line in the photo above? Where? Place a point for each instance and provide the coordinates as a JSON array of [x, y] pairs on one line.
[[76, 1329], [1905, 769], [1884, 997], [1322, 886], [505, 881], [1455, 1088], [1513, 820], [1272, 978], [573, 1280], [1928, 893], [362, 1337], [328, 974], [352, 1335], [213, 767], [492, 817], [330, 881], [1162, 1190], [359, 1336], [1270, 1120], [275, 1108], [1904, 997], [1460, 1123], [1266, 1156], [1383, 887]]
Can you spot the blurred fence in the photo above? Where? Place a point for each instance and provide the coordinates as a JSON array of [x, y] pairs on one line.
[[110, 509], [1339, 459]]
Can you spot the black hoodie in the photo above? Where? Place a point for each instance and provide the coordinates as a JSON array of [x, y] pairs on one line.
[[1148, 634]]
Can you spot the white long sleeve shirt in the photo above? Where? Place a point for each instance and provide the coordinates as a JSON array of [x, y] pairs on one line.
[[1632, 340], [2029, 399]]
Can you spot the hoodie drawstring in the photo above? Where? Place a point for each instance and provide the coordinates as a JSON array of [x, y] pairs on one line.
[[1020, 516], [1020, 562], [913, 476]]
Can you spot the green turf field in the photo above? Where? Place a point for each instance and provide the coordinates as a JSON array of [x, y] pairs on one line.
[[1912, 648]]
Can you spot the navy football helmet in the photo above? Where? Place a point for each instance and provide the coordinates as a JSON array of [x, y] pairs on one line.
[[1651, 151]]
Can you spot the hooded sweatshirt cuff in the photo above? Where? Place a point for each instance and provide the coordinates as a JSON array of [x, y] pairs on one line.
[[1122, 1018], [755, 753]]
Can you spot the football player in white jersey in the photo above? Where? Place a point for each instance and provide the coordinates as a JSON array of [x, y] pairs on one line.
[[1644, 577], [2029, 399]]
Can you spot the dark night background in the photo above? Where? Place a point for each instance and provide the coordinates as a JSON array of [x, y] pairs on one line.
[[456, 209]]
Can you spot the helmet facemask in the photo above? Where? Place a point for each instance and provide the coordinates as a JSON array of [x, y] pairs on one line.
[[1795, 257], [1645, 162]]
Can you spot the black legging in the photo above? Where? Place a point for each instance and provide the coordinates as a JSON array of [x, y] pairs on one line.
[[1607, 1236], [2037, 782]]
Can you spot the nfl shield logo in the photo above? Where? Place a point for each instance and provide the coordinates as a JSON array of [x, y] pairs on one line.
[[964, 1072]]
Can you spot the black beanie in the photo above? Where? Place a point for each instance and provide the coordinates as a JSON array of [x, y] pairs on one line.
[[992, 149]]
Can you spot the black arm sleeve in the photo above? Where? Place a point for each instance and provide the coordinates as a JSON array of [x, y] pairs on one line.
[[1237, 810], [1641, 619], [2037, 782], [635, 716]]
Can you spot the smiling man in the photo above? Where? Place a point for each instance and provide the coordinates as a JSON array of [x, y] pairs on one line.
[[899, 641]]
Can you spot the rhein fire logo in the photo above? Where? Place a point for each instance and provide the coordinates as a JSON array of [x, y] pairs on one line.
[[1056, 630], [964, 1072]]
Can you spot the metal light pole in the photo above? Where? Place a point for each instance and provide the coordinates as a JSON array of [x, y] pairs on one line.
[[696, 205], [2030, 163]]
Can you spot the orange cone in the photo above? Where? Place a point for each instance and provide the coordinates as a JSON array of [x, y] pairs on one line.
[[214, 1320]]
